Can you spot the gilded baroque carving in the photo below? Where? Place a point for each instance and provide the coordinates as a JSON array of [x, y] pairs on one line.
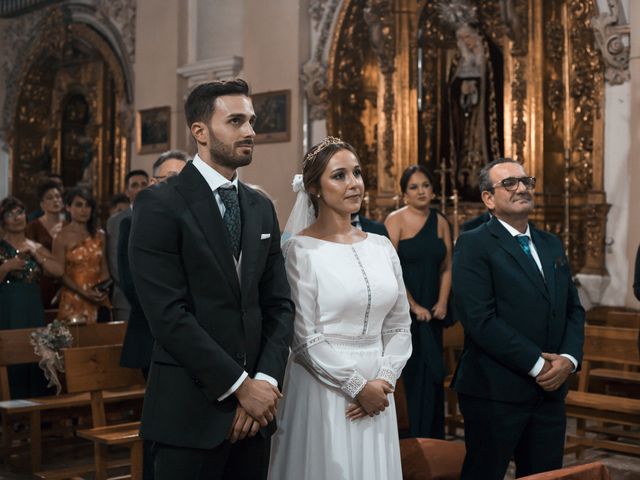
[[554, 40], [348, 86], [585, 88], [612, 35], [379, 19], [519, 96], [555, 94]]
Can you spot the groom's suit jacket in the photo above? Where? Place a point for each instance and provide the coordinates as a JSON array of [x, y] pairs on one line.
[[511, 313], [208, 324]]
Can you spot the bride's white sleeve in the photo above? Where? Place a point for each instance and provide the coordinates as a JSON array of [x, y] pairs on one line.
[[396, 328], [309, 344]]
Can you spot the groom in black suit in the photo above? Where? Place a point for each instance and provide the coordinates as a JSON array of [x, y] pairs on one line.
[[207, 266], [524, 331]]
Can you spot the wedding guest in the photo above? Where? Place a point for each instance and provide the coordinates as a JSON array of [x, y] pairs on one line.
[[337, 418], [135, 181], [80, 247], [22, 263], [118, 203], [44, 228], [422, 237], [53, 178]]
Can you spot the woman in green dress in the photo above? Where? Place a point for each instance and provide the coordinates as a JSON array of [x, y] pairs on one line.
[[22, 262], [422, 236]]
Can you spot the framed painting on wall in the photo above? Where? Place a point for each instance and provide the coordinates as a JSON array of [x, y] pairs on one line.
[[153, 127], [273, 116]]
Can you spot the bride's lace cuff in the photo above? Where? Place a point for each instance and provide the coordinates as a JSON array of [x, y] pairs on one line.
[[354, 385], [387, 374]]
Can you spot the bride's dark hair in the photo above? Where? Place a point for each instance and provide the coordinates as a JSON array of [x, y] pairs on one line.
[[315, 162]]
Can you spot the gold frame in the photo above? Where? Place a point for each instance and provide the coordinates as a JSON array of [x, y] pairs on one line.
[[153, 147], [280, 134]]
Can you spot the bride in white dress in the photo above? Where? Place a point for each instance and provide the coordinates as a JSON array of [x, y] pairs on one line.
[[337, 419]]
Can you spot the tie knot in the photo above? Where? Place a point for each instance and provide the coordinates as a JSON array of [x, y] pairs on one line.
[[228, 195], [523, 240]]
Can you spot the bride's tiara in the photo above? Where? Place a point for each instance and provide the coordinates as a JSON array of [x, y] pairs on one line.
[[310, 157]]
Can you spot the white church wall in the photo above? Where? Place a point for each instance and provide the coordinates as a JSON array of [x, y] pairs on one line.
[[160, 50], [275, 45]]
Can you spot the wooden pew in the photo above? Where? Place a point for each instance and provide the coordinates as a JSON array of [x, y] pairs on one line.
[[452, 343], [618, 347], [15, 349], [95, 370]]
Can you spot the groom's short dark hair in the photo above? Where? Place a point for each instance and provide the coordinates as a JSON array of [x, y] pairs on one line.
[[201, 101]]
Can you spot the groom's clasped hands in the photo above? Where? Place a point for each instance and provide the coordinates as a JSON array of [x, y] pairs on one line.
[[258, 401], [371, 401]]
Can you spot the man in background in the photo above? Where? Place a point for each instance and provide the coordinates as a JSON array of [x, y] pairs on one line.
[[135, 181], [138, 341]]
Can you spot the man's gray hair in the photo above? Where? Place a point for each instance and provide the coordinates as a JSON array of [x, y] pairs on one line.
[[175, 154], [484, 180]]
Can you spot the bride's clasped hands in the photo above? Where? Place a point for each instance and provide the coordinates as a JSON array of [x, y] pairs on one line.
[[371, 401]]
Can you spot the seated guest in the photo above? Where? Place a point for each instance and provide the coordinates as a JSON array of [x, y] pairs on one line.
[[80, 247], [118, 203], [22, 263], [135, 181], [44, 228]]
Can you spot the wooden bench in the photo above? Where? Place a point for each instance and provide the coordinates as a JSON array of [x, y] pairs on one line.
[[614, 317], [95, 370], [612, 414], [15, 349]]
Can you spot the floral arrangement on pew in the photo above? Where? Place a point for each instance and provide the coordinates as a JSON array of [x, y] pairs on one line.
[[47, 342]]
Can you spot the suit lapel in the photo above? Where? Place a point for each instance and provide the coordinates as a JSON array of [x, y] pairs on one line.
[[202, 205], [251, 224], [546, 259], [510, 244]]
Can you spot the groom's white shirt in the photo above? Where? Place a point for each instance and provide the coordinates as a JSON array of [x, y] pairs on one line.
[[215, 181]]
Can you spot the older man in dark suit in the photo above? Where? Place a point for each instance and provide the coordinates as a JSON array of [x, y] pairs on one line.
[[208, 269], [524, 331]]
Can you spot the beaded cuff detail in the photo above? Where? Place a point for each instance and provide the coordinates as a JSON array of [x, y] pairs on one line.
[[387, 374], [354, 385]]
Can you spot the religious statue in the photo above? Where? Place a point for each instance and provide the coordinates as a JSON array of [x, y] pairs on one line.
[[473, 115]]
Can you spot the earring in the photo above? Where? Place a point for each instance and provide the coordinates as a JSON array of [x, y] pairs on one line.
[[318, 195]]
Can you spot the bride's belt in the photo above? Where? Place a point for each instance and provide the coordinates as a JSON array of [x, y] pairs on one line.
[[336, 339]]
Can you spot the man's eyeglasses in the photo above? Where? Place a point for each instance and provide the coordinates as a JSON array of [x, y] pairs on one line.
[[510, 184]]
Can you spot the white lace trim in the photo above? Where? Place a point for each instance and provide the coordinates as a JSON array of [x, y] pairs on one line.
[[354, 385], [366, 281], [388, 374], [393, 331], [308, 343]]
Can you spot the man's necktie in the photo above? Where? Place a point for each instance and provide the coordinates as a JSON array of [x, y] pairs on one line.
[[523, 240], [231, 217]]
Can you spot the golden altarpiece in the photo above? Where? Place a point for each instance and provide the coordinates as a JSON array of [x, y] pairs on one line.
[[391, 91], [68, 101]]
